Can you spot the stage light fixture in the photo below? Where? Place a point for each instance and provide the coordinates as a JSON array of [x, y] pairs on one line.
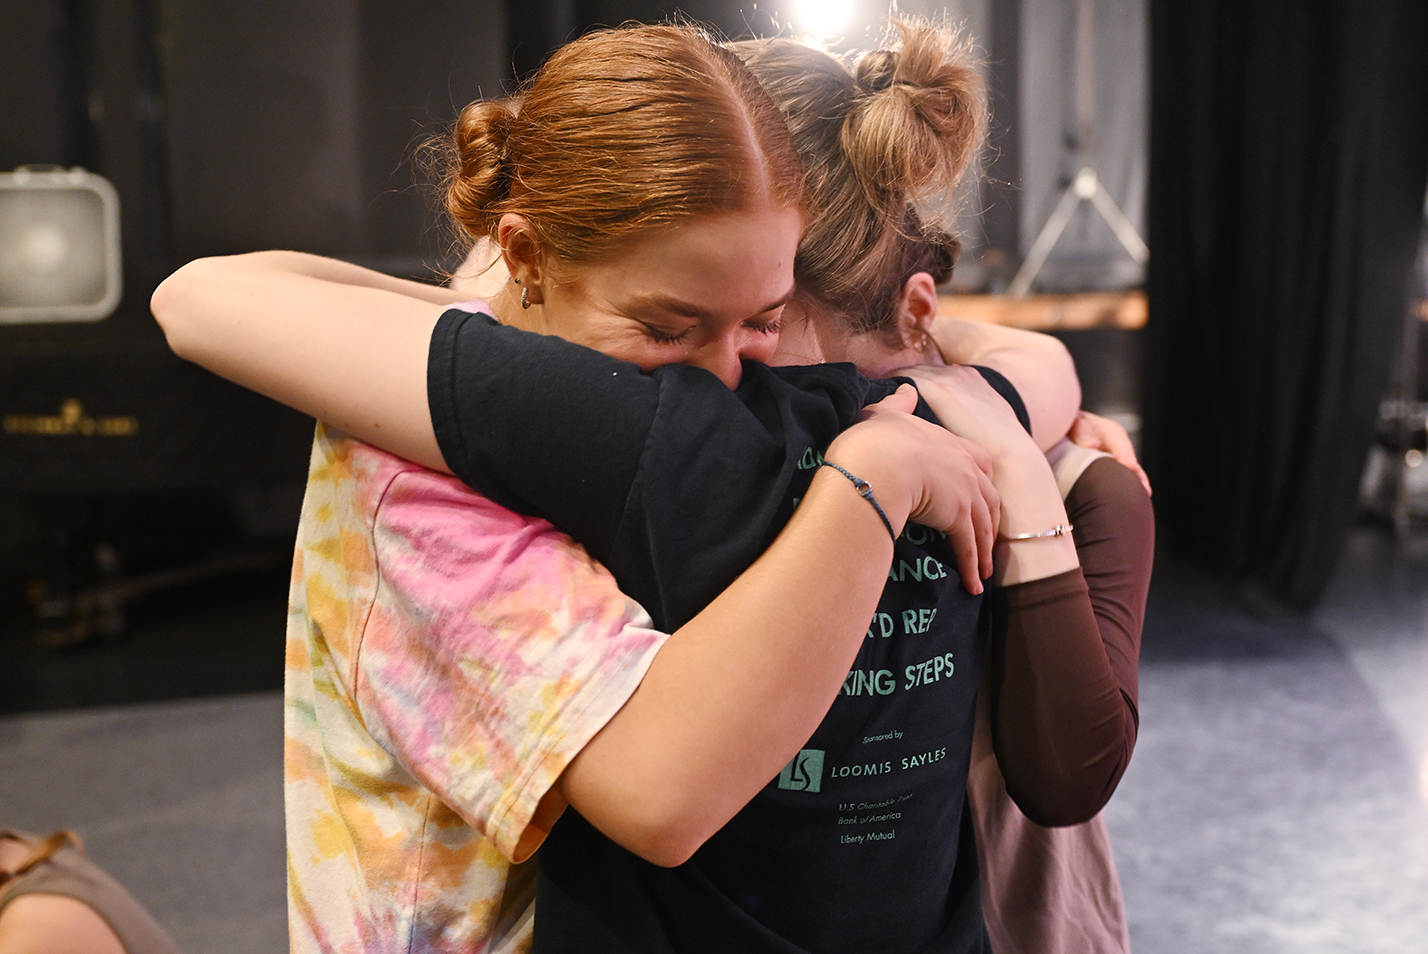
[[59, 246], [821, 17]]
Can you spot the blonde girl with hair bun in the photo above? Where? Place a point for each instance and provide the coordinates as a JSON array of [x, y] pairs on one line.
[[885, 145], [862, 842]]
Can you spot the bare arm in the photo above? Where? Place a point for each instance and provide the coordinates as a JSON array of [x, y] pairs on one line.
[[1038, 365], [1031, 502], [733, 694], [345, 344], [687, 750]]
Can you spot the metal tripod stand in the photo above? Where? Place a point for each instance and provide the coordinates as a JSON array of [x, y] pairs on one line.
[[1086, 185]]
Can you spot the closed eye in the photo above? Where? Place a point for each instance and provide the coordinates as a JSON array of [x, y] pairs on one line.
[[661, 336]]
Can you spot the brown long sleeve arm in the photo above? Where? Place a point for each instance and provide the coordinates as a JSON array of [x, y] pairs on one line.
[[1064, 652]]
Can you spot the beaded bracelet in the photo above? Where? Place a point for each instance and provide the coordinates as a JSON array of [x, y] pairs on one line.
[[865, 490], [1060, 530]]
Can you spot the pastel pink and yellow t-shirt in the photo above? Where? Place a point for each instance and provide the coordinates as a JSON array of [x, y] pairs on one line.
[[446, 659]]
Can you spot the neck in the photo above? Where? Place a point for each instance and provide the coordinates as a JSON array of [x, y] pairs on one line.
[[799, 342], [506, 304], [817, 337], [875, 358]]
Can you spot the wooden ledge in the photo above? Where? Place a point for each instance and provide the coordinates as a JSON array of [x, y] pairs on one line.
[[1051, 312]]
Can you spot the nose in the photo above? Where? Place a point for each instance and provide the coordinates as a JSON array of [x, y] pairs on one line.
[[723, 364], [723, 355]]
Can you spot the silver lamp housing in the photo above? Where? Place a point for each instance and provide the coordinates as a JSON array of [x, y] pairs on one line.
[[59, 246]]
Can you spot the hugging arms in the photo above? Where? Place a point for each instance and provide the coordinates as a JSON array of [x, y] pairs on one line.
[[304, 330]]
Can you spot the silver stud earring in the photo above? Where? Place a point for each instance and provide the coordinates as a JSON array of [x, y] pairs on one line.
[[524, 302]]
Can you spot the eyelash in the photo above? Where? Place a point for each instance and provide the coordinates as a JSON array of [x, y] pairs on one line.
[[664, 337]]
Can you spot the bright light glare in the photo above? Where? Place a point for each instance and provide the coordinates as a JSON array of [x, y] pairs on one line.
[[44, 248], [821, 16]]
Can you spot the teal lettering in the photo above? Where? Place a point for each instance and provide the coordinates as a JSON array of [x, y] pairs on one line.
[[921, 568], [926, 673], [926, 758], [858, 771], [917, 534], [917, 621], [882, 625], [869, 682], [812, 459]]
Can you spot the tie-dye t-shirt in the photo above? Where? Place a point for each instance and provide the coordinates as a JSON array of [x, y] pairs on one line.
[[446, 659]]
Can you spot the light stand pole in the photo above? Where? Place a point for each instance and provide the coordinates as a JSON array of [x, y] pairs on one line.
[[1086, 185]]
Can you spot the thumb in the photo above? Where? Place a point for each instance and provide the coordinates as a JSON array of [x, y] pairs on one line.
[[904, 399]]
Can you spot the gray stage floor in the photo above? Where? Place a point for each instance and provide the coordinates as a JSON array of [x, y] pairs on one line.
[[181, 801], [1276, 804]]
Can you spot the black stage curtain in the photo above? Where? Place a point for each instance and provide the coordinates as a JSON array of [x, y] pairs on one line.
[[1289, 151]]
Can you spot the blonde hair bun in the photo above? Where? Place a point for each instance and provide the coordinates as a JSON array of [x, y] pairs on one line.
[[919, 115], [885, 144]]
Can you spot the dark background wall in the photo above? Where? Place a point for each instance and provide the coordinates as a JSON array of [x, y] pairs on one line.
[[224, 127], [227, 127]]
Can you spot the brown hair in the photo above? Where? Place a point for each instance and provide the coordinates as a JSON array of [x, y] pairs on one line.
[[620, 131], [893, 135]]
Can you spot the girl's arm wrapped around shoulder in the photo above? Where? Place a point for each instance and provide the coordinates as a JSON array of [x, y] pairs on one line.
[[342, 343], [1064, 652]]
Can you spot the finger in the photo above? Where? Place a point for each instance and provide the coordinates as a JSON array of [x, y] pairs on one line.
[[1144, 478], [1118, 444], [992, 500], [964, 539], [1082, 434], [903, 401], [980, 456]]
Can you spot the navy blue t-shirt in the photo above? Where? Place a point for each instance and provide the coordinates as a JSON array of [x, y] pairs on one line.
[[676, 484]]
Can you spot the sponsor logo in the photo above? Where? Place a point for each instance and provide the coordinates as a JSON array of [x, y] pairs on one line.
[[804, 773]]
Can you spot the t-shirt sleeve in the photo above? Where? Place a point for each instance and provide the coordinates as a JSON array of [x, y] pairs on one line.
[[1064, 652], [538, 424], [495, 650]]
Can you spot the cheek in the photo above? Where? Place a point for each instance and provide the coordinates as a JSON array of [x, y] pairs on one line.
[[604, 333], [762, 348], [639, 350]]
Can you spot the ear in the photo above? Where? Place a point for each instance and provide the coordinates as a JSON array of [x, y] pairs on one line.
[[521, 252], [916, 310]]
